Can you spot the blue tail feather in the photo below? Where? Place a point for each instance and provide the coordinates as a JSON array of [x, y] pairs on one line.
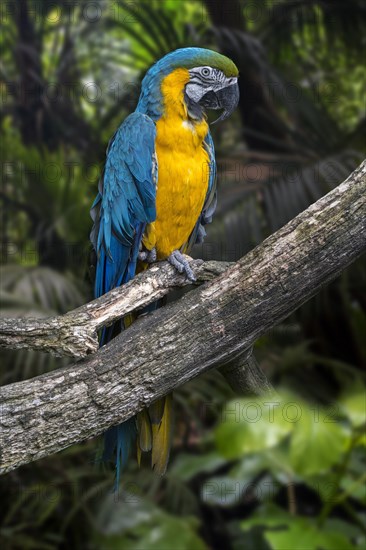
[[113, 270], [118, 441]]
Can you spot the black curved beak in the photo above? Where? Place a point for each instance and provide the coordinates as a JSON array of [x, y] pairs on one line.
[[226, 99]]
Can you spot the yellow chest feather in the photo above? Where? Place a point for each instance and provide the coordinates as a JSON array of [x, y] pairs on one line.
[[182, 168]]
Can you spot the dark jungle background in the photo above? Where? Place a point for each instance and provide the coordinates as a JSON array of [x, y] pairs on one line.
[[238, 478]]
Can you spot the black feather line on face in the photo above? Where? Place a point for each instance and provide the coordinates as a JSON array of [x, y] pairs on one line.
[[195, 111]]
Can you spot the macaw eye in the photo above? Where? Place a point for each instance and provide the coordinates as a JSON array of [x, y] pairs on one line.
[[205, 71]]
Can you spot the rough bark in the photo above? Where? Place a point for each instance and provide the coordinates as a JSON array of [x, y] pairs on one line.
[[245, 375], [75, 333], [209, 326]]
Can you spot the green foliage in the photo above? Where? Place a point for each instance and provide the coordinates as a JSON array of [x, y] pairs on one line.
[[53, 189], [133, 523], [235, 480], [353, 404], [187, 466], [282, 530], [244, 427], [317, 443], [320, 451]]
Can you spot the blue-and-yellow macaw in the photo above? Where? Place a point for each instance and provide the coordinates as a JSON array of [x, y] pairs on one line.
[[157, 192]]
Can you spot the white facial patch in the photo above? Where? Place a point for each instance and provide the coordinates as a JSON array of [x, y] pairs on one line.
[[206, 79]]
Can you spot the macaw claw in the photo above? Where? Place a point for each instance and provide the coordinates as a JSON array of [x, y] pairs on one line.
[[148, 256], [181, 264]]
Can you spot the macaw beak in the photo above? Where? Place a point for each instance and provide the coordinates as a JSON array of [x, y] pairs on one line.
[[226, 99]]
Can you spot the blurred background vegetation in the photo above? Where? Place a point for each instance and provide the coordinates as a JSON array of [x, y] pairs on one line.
[[286, 472]]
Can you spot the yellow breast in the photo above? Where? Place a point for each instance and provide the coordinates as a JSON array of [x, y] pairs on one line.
[[182, 168]]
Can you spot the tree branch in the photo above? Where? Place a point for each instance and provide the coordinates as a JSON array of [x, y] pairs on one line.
[[245, 376], [209, 326], [75, 333]]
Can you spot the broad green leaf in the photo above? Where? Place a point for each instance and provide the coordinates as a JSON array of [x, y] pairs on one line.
[[134, 523], [317, 443], [250, 466], [278, 464], [353, 404], [287, 532], [302, 535], [251, 425], [186, 466]]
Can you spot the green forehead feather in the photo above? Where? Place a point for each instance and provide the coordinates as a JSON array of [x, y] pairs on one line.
[[189, 58], [215, 60]]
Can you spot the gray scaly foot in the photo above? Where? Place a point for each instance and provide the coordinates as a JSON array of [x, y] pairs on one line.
[[146, 255], [181, 264]]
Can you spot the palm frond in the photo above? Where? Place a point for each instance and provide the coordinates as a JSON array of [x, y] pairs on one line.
[[259, 210], [322, 21], [33, 292]]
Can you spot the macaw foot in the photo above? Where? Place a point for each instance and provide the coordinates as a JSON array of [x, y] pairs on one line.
[[181, 264], [146, 255]]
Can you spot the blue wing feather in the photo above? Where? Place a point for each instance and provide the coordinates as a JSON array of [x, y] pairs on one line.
[[124, 205], [125, 202]]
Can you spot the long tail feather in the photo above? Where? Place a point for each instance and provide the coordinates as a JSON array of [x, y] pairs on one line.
[[161, 425], [144, 431], [118, 441], [151, 430]]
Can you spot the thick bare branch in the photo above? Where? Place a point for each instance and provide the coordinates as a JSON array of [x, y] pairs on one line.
[[209, 326], [75, 333], [245, 376]]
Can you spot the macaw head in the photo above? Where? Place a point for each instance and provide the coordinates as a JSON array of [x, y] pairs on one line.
[[211, 82], [213, 87]]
